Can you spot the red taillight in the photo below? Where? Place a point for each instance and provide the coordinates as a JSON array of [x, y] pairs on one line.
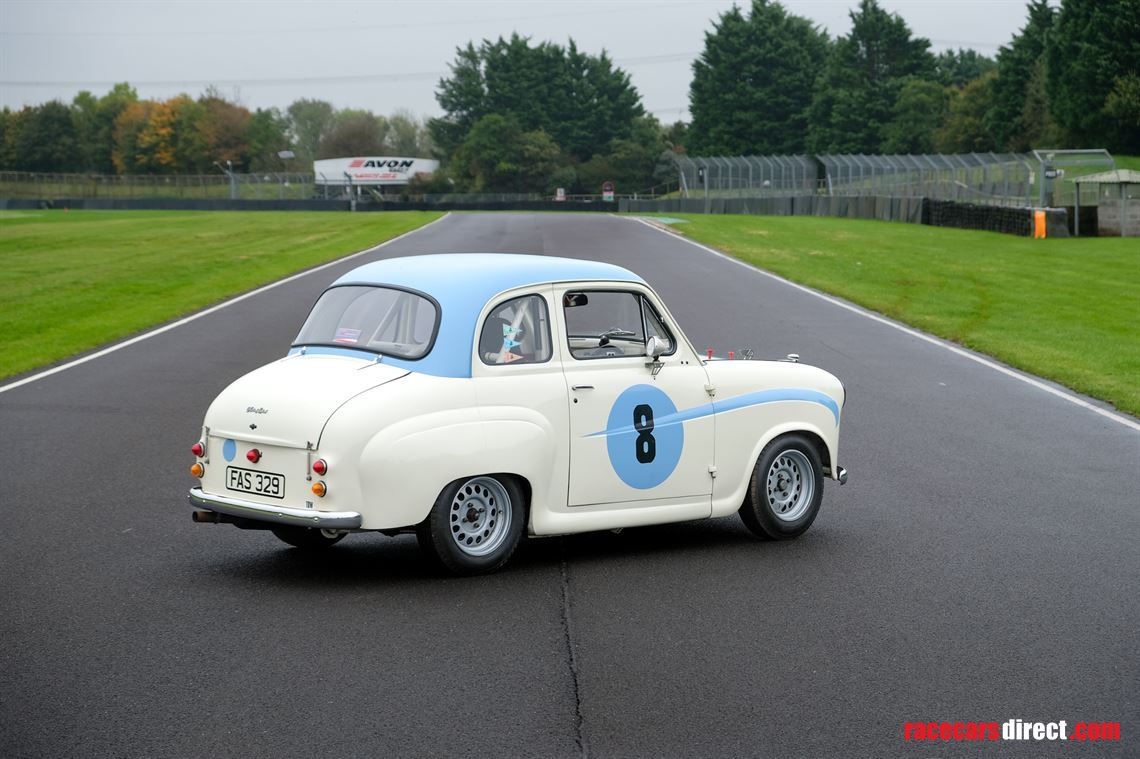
[[254, 455], [320, 466], [198, 449]]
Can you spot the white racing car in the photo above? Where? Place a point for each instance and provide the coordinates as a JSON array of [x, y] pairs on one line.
[[473, 398]]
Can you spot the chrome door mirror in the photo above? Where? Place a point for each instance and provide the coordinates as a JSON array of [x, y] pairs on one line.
[[654, 347]]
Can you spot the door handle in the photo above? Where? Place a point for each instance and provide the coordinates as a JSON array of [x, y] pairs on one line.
[[581, 387]]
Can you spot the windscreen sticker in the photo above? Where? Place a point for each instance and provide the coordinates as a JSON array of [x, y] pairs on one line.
[[509, 331], [346, 335], [509, 343], [509, 357]]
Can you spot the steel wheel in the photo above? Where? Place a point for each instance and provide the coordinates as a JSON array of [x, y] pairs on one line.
[[480, 516], [475, 524], [790, 486], [785, 489]]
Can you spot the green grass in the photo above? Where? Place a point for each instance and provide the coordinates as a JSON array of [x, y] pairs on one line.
[[76, 280], [1127, 162], [1067, 309]]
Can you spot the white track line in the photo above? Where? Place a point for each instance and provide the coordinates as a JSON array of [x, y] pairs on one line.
[[1027, 379], [208, 311]]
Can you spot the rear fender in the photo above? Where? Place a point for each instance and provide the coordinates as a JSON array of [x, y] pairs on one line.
[[405, 467]]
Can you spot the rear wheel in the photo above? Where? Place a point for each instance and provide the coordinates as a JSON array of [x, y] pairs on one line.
[[786, 489], [308, 538], [475, 525]]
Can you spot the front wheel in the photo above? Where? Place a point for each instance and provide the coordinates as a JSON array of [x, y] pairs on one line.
[[475, 525], [786, 489], [308, 538]]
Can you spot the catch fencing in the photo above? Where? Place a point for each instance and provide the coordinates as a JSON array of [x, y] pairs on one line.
[[1043, 178]]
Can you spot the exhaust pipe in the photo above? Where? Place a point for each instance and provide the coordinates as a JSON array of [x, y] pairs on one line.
[[205, 516]]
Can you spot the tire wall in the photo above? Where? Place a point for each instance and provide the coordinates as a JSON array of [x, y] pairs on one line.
[[939, 213]]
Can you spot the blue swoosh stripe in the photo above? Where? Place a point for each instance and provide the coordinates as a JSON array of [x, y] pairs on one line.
[[736, 402]]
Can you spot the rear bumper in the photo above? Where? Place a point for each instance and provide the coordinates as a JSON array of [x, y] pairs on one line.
[[237, 507]]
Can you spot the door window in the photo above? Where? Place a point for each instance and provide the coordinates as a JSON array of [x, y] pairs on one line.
[[611, 324]]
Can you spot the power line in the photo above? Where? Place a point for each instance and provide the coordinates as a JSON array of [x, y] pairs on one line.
[[166, 34], [281, 81]]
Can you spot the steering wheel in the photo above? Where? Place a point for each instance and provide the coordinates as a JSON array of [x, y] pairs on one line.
[[604, 338]]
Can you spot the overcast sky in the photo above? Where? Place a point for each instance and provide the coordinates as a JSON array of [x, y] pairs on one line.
[[389, 54]]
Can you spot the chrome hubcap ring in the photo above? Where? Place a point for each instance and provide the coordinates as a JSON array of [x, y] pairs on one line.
[[790, 485], [480, 516]]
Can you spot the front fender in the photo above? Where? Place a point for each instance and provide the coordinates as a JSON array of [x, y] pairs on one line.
[[728, 501]]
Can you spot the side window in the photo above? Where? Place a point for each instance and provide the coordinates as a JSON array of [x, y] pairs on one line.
[[516, 332], [604, 324]]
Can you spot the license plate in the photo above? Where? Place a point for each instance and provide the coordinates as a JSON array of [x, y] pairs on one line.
[[258, 483]]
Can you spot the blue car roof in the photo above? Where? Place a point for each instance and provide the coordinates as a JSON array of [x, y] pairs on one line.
[[462, 283]]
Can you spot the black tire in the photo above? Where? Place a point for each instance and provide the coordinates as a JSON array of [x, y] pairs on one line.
[[470, 529], [307, 538], [786, 489]]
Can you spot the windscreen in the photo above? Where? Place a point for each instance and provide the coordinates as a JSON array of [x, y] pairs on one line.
[[378, 319]]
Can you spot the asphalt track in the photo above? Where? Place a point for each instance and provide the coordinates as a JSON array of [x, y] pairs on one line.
[[982, 564]]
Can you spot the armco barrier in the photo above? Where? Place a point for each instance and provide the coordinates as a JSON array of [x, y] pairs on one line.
[[940, 213]]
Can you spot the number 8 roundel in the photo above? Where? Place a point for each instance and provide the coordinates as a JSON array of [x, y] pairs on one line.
[[643, 438]]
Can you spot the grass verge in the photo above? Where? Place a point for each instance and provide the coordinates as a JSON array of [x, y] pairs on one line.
[[1066, 309], [75, 280]]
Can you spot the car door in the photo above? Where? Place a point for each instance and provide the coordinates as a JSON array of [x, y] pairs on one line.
[[629, 442]]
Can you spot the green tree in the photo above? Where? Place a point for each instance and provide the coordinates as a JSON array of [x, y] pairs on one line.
[[498, 156], [918, 112], [84, 115], [752, 84], [46, 140], [627, 162], [1122, 107], [956, 68], [1094, 43], [407, 135], [856, 92], [11, 124], [463, 98], [95, 125], [1017, 63], [354, 132], [581, 101], [967, 125], [309, 122], [266, 135]]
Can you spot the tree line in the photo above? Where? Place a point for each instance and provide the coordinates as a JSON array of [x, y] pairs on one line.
[[771, 82], [530, 117], [120, 133]]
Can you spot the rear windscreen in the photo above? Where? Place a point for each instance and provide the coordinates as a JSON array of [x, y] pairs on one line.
[[378, 319]]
